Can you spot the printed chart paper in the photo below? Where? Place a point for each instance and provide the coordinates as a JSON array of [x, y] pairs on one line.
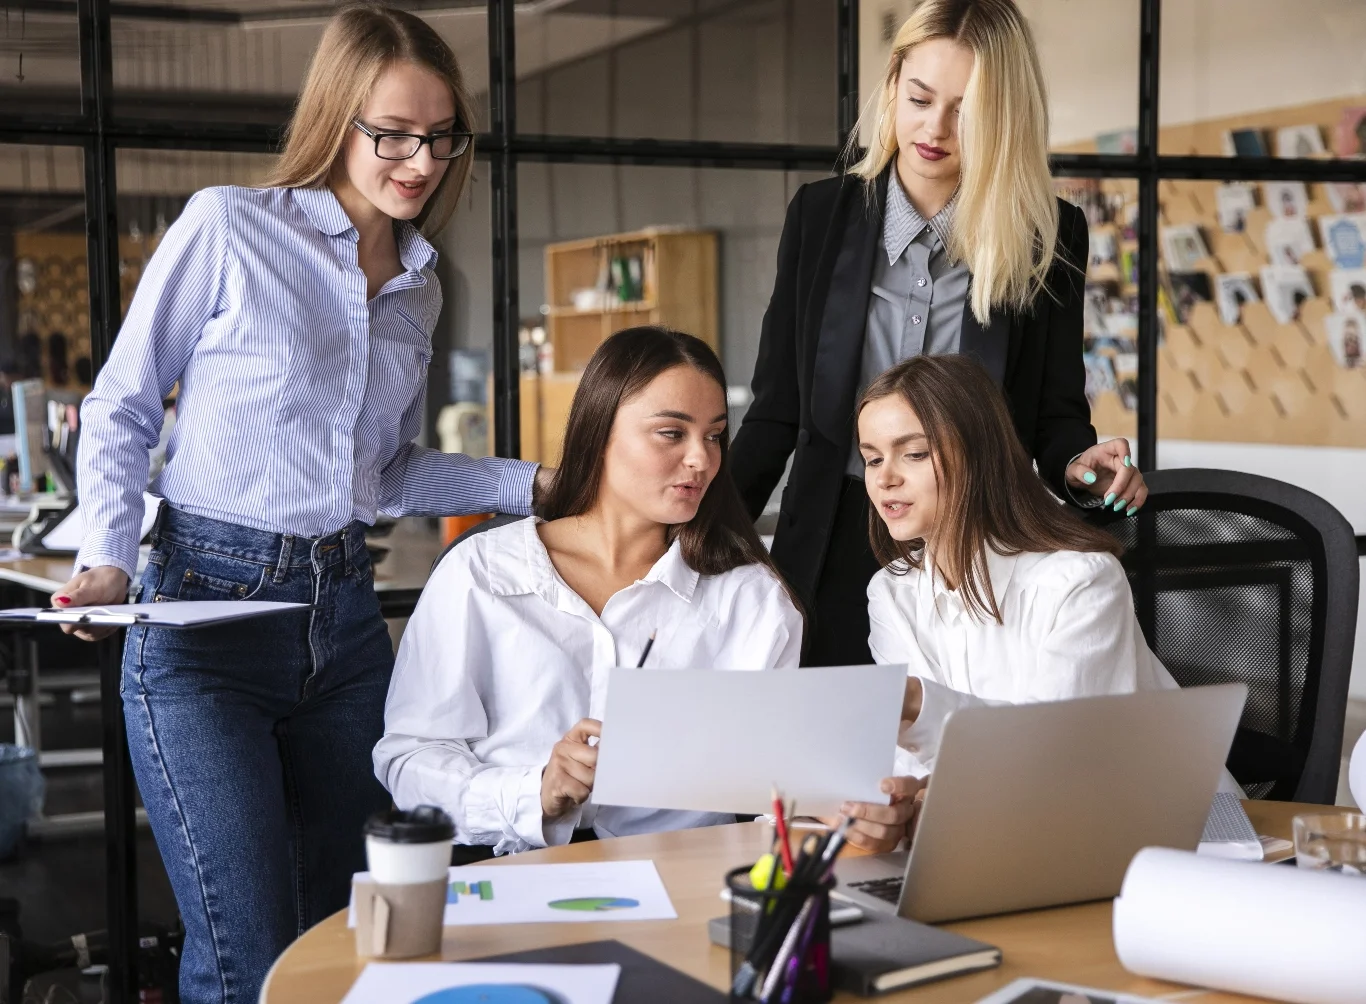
[[580, 892], [482, 983]]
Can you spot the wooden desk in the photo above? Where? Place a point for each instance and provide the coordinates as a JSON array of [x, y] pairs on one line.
[[1072, 944]]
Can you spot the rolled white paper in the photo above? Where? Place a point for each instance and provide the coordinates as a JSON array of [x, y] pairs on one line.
[[1356, 773], [1266, 930]]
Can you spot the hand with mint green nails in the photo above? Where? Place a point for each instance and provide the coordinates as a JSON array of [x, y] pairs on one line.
[[1107, 470]]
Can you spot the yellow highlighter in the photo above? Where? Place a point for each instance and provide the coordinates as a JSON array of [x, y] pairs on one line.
[[766, 872]]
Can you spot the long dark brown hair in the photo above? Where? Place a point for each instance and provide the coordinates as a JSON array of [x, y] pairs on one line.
[[989, 494], [721, 535]]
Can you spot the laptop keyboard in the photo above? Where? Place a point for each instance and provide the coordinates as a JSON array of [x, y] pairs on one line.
[[883, 888]]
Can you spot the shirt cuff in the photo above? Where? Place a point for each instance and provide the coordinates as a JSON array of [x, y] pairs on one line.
[[558, 831], [514, 491], [108, 547], [1089, 501], [921, 738], [506, 801]]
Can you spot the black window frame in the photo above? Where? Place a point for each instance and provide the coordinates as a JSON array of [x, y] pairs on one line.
[[100, 132]]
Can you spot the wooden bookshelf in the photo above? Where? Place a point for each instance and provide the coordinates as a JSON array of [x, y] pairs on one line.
[[678, 289]]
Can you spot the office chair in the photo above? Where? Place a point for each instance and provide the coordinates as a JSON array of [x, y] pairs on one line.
[[1241, 577]]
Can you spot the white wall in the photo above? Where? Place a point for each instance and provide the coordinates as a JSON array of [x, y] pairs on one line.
[[1219, 57]]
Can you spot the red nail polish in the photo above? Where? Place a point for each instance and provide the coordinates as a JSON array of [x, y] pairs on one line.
[[63, 600]]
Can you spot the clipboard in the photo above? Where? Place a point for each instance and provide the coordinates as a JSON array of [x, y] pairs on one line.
[[182, 614]]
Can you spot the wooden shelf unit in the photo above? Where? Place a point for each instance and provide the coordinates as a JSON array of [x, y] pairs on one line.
[[679, 290]]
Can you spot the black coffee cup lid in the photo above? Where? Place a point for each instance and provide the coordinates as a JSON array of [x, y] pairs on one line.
[[425, 824]]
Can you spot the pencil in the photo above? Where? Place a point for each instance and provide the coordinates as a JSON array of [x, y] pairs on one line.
[[648, 645], [781, 824]]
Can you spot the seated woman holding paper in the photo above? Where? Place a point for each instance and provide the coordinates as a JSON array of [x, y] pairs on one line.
[[501, 674], [991, 591]]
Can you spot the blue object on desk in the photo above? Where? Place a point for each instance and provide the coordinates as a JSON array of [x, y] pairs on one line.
[[21, 793]]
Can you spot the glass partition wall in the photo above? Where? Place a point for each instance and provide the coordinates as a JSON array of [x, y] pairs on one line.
[[1223, 324]]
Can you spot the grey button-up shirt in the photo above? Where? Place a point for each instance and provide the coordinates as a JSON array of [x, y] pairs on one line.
[[918, 294]]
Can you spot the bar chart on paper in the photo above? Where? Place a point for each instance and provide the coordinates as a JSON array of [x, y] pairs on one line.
[[574, 892], [477, 890]]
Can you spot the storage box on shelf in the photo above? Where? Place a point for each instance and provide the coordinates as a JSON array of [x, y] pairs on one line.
[[602, 285]]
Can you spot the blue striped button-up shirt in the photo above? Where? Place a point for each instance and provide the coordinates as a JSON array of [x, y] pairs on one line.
[[299, 396]]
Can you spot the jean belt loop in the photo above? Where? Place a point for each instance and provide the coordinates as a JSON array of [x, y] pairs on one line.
[[160, 522], [347, 535], [286, 555]]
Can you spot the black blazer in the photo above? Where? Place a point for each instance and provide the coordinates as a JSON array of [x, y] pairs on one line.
[[811, 354]]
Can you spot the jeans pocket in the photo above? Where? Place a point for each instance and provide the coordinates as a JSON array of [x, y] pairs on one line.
[[202, 575]]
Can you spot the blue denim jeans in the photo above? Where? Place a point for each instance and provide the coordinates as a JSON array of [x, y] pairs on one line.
[[251, 741]]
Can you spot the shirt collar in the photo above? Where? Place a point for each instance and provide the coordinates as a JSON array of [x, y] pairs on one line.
[[325, 212], [519, 564], [1000, 570], [323, 209], [902, 222]]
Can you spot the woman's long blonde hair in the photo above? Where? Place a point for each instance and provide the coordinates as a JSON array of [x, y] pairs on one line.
[[359, 44], [1006, 216]]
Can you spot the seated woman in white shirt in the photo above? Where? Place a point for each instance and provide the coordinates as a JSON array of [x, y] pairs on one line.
[[991, 591], [501, 675]]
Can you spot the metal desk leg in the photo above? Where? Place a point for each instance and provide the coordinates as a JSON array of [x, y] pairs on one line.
[[120, 836], [28, 730]]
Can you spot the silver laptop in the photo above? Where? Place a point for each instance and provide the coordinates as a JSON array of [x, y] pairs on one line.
[[1036, 805]]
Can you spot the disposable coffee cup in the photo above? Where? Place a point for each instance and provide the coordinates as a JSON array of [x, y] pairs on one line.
[[404, 847]]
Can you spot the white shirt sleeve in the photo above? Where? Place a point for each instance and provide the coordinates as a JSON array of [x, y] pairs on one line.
[[434, 694]]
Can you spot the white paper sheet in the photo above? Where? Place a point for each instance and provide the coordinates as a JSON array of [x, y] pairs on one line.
[[717, 741], [578, 892], [1031, 991], [180, 614], [482, 983], [1265, 930]]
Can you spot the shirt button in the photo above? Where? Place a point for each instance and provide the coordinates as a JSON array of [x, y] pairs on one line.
[[915, 318], [920, 281]]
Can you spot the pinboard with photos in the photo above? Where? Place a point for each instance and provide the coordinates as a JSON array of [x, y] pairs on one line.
[[1263, 292]]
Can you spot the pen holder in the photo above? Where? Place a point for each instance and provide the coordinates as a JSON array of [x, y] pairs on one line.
[[789, 928]]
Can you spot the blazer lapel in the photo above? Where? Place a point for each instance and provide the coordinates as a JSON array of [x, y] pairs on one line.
[[839, 349], [988, 345]]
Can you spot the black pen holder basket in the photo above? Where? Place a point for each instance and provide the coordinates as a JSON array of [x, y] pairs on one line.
[[769, 915]]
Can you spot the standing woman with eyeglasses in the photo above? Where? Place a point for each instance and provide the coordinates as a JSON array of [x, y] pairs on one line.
[[297, 320]]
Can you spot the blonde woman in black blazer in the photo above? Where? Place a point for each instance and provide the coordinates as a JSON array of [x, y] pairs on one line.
[[945, 237]]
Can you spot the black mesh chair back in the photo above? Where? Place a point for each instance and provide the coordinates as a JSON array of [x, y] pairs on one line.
[[499, 519], [1241, 577]]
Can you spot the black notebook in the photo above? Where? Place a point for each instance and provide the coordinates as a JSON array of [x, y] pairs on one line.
[[642, 978], [885, 952]]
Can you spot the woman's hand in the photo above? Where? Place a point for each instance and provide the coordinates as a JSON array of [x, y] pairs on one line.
[[879, 828], [912, 700], [1107, 470], [567, 780], [95, 587], [540, 484]]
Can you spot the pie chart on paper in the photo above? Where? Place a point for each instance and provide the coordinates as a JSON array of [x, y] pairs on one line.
[[594, 904], [491, 993]]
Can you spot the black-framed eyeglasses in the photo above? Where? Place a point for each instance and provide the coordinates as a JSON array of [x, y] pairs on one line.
[[402, 145]]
